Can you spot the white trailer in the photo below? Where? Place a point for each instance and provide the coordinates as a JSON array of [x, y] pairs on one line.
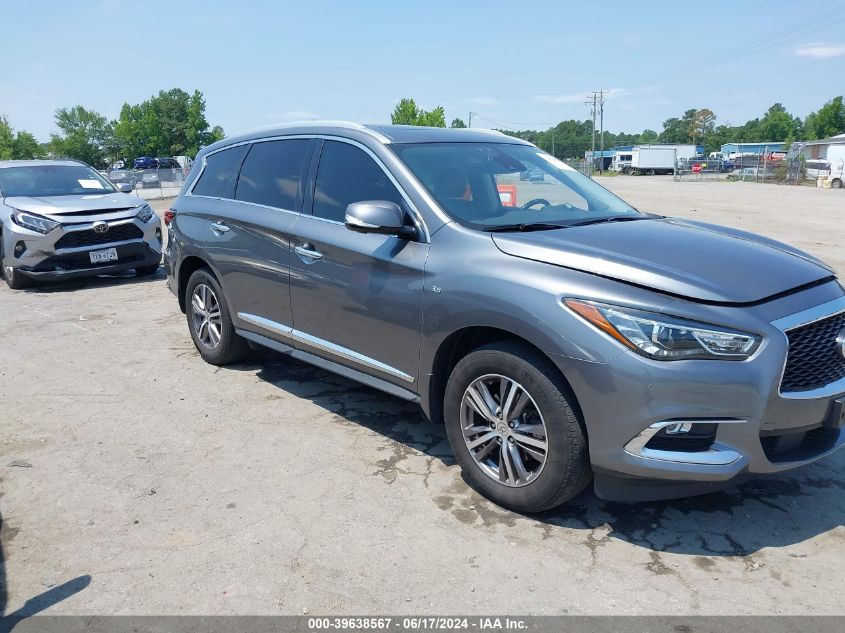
[[652, 160]]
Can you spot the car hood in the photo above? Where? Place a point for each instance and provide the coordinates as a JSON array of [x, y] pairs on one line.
[[698, 261], [63, 205]]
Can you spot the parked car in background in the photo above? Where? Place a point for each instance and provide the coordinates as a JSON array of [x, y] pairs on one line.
[[569, 338], [145, 162], [167, 173], [816, 168], [122, 176], [61, 219]]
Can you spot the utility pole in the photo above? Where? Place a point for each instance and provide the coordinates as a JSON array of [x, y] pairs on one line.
[[592, 104], [470, 120], [601, 123]]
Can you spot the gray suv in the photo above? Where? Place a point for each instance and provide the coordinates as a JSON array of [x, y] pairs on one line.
[[61, 219], [557, 332]]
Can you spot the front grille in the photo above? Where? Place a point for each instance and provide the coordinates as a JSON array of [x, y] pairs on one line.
[[815, 359], [798, 445], [81, 239]]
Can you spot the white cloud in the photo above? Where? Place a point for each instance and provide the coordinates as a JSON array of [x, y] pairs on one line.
[[820, 51], [483, 102]]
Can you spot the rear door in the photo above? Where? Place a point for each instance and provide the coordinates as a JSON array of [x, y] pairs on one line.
[[247, 234], [356, 297]]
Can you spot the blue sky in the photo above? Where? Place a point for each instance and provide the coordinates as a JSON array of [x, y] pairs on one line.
[[525, 64]]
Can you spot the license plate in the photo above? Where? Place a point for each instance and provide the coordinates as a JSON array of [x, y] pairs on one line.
[[107, 255]]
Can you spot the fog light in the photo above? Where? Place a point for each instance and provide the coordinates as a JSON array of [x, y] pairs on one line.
[[20, 248], [680, 427]]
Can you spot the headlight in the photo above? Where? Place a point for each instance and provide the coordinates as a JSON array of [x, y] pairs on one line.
[[33, 222], [145, 213], [663, 337]]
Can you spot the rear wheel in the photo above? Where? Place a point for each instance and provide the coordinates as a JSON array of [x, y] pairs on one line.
[[836, 184], [511, 423], [210, 321]]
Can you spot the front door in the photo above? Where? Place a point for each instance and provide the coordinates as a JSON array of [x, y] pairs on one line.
[[356, 297]]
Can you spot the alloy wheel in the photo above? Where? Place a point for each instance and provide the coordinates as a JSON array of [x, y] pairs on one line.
[[205, 314], [504, 430]]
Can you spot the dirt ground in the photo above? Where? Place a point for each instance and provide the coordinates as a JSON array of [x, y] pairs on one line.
[[136, 479]]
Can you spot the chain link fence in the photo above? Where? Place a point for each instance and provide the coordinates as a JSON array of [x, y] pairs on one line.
[[150, 183]]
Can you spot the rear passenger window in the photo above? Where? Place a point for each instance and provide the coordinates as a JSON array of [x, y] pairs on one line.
[[348, 174], [272, 173], [218, 178]]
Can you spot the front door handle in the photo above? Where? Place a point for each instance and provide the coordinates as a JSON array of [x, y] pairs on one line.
[[219, 227], [307, 250]]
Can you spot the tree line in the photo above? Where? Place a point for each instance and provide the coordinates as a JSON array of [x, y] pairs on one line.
[[570, 139], [170, 123]]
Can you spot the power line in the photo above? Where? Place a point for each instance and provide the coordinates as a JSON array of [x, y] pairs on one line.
[[778, 38]]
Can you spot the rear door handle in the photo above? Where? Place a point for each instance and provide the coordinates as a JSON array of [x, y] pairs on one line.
[[307, 250], [219, 227]]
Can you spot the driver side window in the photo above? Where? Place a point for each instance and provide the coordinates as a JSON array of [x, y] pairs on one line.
[[347, 174]]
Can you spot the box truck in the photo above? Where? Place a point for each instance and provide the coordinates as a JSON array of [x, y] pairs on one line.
[[652, 160]]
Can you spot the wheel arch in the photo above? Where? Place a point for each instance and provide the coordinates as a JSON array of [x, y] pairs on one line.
[[461, 342], [188, 266]]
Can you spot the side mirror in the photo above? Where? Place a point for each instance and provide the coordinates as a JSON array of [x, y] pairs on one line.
[[377, 216], [124, 187]]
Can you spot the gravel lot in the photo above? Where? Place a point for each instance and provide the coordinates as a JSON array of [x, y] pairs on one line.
[[136, 479]]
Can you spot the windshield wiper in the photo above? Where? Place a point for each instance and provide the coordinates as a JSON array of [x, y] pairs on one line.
[[622, 218], [523, 227]]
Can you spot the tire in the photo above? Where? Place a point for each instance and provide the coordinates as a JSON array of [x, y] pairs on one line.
[[227, 347], [565, 470], [145, 271], [14, 279], [836, 183]]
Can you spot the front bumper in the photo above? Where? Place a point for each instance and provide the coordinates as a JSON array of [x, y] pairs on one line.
[[136, 255], [64, 252], [756, 430]]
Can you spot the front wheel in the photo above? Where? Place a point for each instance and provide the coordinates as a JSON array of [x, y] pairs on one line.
[[210, 321], [836, 184], [14, 279], [511, 422]]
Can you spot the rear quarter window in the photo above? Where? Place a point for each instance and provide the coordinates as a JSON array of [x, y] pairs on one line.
[[217, 180]]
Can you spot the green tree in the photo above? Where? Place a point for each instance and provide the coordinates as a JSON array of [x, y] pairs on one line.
[[7, 140], [828, 121], [171, 123], [84, 136], [458, 123], [26, 146], [778, 125], [407, 112], [677, 130], [703, 122], [19, 145]]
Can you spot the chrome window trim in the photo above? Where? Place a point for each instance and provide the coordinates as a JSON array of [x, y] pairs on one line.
[[801, 319], [416, 216], [338, 350], [263, 139]]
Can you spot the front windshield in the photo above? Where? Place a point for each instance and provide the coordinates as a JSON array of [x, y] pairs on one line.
[[52, 180], [493, 186]]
